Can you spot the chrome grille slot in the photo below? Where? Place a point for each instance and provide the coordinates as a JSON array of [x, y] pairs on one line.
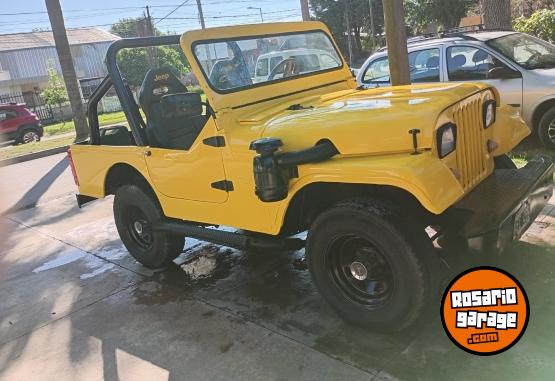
[[471, 145]]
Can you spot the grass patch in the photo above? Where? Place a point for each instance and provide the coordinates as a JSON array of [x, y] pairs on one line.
[[23, 149], [103, 119]]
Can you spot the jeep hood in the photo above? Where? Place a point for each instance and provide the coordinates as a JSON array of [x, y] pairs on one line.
[[366, 121]]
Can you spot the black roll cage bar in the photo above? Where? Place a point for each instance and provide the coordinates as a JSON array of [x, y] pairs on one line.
[[115, 79]]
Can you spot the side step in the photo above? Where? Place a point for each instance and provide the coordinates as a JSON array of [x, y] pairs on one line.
[[234, 240]]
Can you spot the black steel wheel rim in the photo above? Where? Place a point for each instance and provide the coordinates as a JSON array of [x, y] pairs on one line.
[[138, 227], [360, 270]]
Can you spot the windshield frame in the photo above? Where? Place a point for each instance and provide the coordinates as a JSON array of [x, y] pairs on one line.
[[539, 41], [259, 36]]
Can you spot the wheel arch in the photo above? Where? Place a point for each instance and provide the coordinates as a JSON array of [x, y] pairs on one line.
[[314, 198], [540, 110], [123, 173]]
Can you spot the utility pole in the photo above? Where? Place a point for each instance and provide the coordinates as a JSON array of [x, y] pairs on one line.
[[396, 38], [200, 15], [68, 70], [304, 10], [151, 52], [348, 23]]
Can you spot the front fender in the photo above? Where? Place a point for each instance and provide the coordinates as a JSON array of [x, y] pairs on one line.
[[424, 176], [508, 130]]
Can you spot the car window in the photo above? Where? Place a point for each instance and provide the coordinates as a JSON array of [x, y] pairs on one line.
[[274, 61], [377, 71], [424, 67], [7, 114], [467, 63], [262, 67], [327, 61], [307, 62]]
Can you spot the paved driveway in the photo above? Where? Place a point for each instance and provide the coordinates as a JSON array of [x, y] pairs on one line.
[[75, 306]]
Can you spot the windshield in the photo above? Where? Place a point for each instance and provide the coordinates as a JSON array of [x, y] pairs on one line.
[[241, 63], [529, 52]]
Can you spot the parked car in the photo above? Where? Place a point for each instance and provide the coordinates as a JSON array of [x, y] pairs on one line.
[[365, 172], [19, 124], [307, 60], [520, 66]]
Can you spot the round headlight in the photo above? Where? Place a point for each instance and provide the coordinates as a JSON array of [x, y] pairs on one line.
[[489, 112], [446, 139]]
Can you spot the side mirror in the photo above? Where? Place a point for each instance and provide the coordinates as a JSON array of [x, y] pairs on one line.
[[181, 104], [503, 72]]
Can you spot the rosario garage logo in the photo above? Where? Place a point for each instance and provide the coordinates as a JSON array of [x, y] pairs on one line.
[[485, 311]]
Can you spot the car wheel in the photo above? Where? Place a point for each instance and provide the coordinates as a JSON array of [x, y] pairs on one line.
[[504, 162], [135, 211], [29, 135], [546, 129], [370, 265]]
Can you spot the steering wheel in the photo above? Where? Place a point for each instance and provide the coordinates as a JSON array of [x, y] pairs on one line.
[[290, 68], [533, 57]]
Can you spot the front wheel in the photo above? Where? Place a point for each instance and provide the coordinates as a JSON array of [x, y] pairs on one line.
[[546, 129], [135, 211], [369, 266], [29, 135]]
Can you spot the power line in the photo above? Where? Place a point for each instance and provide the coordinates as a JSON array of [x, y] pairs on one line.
[[169, 14]]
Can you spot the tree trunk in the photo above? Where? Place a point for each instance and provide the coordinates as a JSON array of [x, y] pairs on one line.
[[497, 14], [304, 10], [68, 70], [396, 38]]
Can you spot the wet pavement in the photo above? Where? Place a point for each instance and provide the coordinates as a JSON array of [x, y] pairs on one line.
[[74, 305]]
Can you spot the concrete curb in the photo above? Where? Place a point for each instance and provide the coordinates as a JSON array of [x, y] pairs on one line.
[[33, 156]]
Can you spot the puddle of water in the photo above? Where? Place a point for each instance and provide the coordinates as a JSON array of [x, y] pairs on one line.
[[97, 271], [60, 261]]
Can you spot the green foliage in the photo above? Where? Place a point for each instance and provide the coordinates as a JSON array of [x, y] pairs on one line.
[[134, 63], [446, 13], [541, 24], [55, 94]]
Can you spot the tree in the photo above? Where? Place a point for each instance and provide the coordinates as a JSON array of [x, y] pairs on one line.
[[336, 13], [497, 14], [55, 94], [68, 70], [541, 24], [133, 63], [420, 14]]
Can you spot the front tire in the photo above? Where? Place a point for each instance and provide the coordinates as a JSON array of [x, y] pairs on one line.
[[546, 129], [28, 135], [135, 211], [372, 266]]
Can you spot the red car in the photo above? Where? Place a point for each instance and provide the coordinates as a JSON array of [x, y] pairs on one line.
[[19, 124]]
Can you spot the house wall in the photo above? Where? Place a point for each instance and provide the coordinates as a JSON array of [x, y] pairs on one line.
[[29, 67]]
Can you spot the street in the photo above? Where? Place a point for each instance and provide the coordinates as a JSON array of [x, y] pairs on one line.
[[76, 306], [29, 183]]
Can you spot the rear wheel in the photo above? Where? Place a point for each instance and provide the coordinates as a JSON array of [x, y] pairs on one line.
[[28, 135], [370, 265], [135, 212], [546, 129]]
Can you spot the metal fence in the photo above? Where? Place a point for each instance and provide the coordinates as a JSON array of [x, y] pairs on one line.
[[34, 102]]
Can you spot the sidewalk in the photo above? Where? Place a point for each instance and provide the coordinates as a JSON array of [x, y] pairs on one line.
[[75, 306]]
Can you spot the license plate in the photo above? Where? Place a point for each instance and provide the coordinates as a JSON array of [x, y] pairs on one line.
[[522, 220]]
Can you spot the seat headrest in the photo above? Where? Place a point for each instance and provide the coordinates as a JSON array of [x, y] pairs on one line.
[[432, 63], [459, 60], [480, 56], [157, 83]]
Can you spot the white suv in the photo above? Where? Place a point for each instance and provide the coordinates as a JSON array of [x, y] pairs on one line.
[[520, 66]]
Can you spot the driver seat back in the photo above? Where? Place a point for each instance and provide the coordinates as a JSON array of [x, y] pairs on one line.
[[171, 131]]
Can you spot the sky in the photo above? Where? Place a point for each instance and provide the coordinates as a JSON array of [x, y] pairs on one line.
[[26, 15]]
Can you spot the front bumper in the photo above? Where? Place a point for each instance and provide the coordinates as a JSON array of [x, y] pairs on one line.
[[503, 206]]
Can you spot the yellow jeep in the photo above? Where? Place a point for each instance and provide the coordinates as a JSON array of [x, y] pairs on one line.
[[368, 173]]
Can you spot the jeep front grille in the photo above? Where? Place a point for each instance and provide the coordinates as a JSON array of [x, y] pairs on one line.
[[471, 142]]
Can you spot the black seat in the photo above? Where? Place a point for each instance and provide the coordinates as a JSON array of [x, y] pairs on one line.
[[167, 129]]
